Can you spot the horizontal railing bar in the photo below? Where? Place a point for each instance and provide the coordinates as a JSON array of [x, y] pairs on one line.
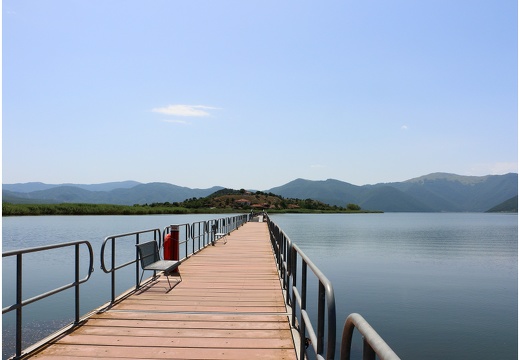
[[310, 330], [131, 233], [42, 248], [43, 296], [118, 236], [297, 296]]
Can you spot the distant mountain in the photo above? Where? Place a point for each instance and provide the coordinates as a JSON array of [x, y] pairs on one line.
[[36, 186], [138, 194], [436, 192]]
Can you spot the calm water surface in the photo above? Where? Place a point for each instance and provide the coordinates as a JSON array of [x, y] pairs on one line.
[[435, 286]]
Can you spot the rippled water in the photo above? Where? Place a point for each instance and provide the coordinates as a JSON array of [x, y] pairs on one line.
[[435, 286]]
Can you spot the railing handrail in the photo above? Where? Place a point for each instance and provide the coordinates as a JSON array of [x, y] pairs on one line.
[[325, 295], [158, 236], [373, 344], [185, 241], [114, 237], [112, 271], [20, 303], [285, 252]]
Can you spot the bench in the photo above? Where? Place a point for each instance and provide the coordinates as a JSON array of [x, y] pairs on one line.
[[221, 235], [151, 260]]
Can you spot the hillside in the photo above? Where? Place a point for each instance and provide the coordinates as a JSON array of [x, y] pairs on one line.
[[510, 206], [138, 194], [247, 200], [438, 192]]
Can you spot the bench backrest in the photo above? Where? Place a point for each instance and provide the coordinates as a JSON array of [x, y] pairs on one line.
[[148, 252]]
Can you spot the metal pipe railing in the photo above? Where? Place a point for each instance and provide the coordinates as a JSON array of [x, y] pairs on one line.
[[19, 304], [135, 236], [199, 232], [191, 232], [185, 229], [287, 254], [373, 344]]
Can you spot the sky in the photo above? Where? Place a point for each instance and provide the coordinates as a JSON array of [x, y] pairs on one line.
[[254, 94]]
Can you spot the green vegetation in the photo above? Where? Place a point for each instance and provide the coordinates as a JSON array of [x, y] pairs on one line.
[[222, 201], [510, 206], [353, 207], [97, 209]]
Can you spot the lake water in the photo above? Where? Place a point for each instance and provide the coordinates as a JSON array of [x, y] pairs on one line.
[[434, 286]]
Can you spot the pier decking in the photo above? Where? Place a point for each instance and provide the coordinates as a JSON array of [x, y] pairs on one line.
[[229, 306]]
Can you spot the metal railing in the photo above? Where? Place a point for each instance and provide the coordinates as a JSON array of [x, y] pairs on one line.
[[200, 235], [135, 237], [287, 255], [184, 239], [373, 344], [197, 234], [19, 304], [291, 270]]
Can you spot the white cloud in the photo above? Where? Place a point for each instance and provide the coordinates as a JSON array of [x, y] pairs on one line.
[[185, 110], [183, 122], [404, 127]]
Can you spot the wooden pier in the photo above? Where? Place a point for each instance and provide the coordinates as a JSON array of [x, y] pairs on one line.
[[229, 305]]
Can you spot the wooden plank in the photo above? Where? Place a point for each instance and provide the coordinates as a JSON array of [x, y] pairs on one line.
[[118, 352], [237, 318], [155, 331], [166, 341]]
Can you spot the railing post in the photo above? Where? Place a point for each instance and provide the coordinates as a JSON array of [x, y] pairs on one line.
[[289, 274], [192, 235], [321, 317], [186, 237], [113, 277], [137, 263], [302, 309], [19, 304], [294, 276], [76, 288]]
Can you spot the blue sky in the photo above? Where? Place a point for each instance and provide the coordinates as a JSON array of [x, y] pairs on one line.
[[254, 94]]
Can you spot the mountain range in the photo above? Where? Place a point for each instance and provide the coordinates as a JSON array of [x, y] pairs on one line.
[[437, 192]]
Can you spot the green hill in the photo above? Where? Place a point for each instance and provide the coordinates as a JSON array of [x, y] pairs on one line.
[[510, 205], [438, 192]]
